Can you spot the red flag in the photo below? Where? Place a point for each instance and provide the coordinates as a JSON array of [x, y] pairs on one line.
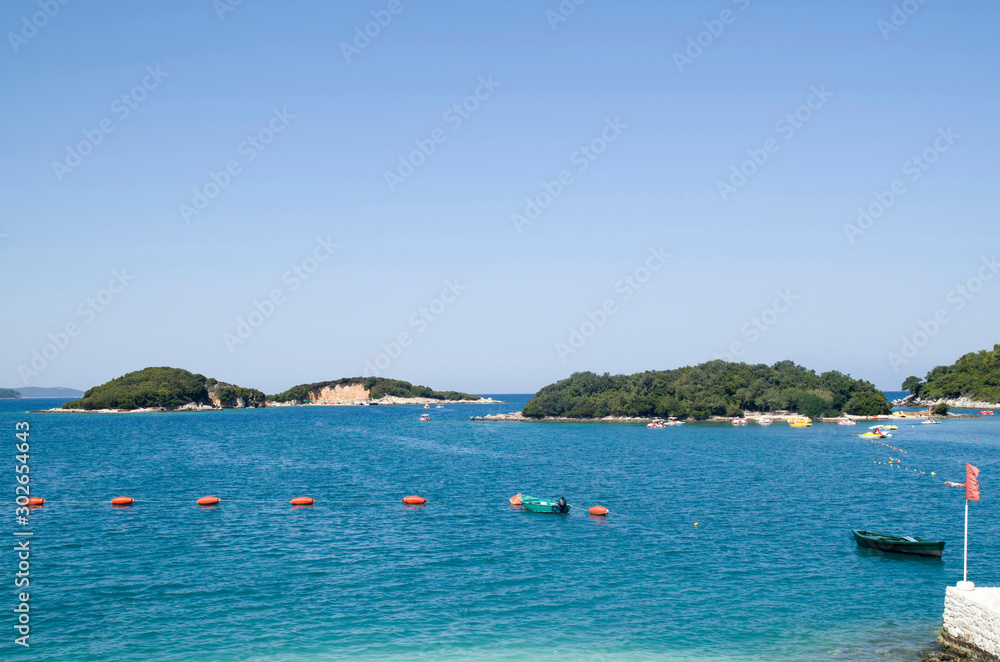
[[971, 482]]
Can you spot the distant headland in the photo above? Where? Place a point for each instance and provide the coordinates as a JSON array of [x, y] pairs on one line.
[[40, 392]]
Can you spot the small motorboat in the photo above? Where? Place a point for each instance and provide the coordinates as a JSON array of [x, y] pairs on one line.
[[427, 406], [656, 423], [846, 421], [986, 412], [535, 505], [929, 421], [424, 417], [801, 422], [898, 544], [765, 421], [739, 421], [439, 407], [890, 427]]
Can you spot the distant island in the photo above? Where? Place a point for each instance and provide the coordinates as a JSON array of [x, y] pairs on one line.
[[165, 389], [9, 393], [368, 390], [712, 389], [48, 392], [973, 382]]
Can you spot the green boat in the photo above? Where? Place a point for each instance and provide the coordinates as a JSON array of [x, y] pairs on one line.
[[898, 544], [536, 505]]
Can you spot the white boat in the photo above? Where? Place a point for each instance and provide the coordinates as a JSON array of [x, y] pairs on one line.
[[765, 421], [660, 423], [425, 417], [739, 421], [847, 421], [929, 421]]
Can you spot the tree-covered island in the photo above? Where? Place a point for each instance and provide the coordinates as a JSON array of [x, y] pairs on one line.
[[974, 378], [166, 388], [367, 388], [715, 388]]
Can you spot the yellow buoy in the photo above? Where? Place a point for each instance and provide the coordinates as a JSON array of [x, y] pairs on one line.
[[696, 523]]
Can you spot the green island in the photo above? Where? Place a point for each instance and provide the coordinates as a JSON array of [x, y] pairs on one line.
[[9, 393], [715, 388], [974, 377], [166, 388], [376, 387]]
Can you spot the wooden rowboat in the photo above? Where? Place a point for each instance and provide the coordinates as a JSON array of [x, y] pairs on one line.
[[898, 544]]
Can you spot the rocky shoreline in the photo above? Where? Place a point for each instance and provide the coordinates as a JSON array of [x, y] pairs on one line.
[[777, 417], [192, 406], [957, 403]]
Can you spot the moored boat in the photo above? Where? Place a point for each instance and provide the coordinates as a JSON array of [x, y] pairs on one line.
[[929, 421], [801, 422], [765, 421], [739, 421], [536, 505], [898, 544], [986, 412], [846, 421]]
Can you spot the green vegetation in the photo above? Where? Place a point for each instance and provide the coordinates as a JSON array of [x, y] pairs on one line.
[[941, 409], [377, 387], [716, 388], [9, 393], [165, 387], [976, 376]]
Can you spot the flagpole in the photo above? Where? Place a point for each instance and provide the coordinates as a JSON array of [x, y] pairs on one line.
[[965, 558]]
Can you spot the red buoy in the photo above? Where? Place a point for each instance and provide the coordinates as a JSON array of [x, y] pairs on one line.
[[303, 501], [516, 500], [36, 501], [122, 501], [414, 499], [208, 500], [598, 510]]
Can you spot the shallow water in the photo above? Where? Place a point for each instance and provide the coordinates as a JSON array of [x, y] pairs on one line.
[[770, 572]]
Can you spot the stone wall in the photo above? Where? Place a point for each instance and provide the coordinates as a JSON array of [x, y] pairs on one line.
[[972, 623]]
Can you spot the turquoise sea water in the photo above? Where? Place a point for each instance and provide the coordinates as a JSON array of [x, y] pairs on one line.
[[770, 572]]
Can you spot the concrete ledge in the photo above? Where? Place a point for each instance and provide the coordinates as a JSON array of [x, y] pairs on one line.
[[972, 624]]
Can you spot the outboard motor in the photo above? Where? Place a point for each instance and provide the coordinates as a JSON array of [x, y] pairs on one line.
[[563, 508]]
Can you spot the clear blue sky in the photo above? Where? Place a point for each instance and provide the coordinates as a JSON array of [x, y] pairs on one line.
[[339, 126]]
